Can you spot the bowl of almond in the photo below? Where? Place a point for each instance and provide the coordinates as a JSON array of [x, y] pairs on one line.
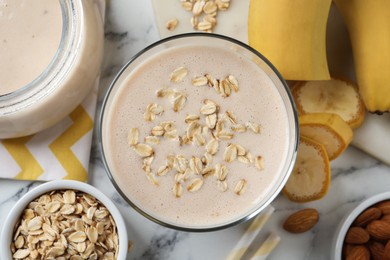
[[364, 233], [64, 220]]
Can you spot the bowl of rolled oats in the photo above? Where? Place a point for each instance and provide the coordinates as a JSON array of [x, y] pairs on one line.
[[64, 220]]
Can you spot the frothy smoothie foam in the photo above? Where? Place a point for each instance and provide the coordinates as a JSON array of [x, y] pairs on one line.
[[172, 196]]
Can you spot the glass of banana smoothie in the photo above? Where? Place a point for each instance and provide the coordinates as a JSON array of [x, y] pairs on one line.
[[198, 132]]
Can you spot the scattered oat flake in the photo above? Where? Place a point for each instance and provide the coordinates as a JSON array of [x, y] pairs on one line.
[[254, 127], [231, 117], [240, 150], [211, 120], [187, 6], [152, 140], [223, 5], [133, 136], [156, 109], [243, 159], [157, 131], [152, 178], [164, 92], [225, 89], [178, 74], [196, 165], [225, 135], [163, 170], [208, 109], [204, 26], [195, 185], [233, 82], [208, 171], [222, 185], [149, 116], [172, 24], [143, 150], [239, 128], [210, 7], [199, 81], [208, 159], [250, 157], [259, 163], [198, 7], [230, 153], [177, 190], [212, 146], [199, 140], [240, 187], [191, 118], [178, 102], [172, 134], [221, 171]]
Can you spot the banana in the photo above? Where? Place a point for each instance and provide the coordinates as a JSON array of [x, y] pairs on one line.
[[335, 96], [291, 34], [328, 129], [310, 178], [368, 23]]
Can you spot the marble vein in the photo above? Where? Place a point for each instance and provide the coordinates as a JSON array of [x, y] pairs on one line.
[[162, 245]]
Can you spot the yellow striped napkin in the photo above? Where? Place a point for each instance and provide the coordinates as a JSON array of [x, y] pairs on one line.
[[60, 152]]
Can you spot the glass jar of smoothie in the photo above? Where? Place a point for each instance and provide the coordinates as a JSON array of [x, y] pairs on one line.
[[51, 53]]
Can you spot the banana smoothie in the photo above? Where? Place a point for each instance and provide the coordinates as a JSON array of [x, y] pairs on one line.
[[27, 44], [196, 136]]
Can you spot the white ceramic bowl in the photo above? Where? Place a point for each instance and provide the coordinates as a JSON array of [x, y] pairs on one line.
[[338, 240], [16, 211]]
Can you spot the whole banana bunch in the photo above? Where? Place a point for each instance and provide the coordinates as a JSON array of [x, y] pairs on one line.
[[291, 34], [368, 23]]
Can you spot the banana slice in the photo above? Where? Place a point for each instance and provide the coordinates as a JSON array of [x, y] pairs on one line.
[[310, 178], [330, 96], [328, 129]]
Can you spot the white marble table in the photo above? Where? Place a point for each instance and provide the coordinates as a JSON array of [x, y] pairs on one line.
[[355, 176]]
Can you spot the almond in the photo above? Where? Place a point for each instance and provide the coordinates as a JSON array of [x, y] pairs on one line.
[[384, 206], [386, 251], [386, 218], [357, 236], [347, 249], [358, 253], [379, 229], [367, 216], [301, 221], [376, 250]]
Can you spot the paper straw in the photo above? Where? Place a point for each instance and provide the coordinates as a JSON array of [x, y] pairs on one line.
[[250, 234], [266, 247]]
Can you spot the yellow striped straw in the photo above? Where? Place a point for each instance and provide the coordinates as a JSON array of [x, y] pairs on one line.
[[250, 234], [266, 247]]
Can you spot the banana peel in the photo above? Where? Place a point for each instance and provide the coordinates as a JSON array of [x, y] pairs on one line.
[[291, 34]]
